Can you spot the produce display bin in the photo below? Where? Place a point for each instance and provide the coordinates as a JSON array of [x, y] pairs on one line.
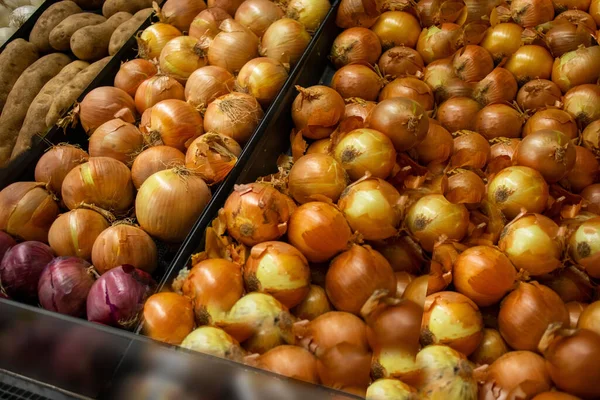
[[25, 29]]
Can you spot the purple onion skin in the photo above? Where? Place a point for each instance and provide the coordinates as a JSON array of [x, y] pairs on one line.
[[21, 268], [118, 296], [6, 242], [64, 286]]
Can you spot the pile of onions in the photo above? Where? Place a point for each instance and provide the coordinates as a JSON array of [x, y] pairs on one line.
[[104, 104], [285, 40], [132, 73], [235, 115]]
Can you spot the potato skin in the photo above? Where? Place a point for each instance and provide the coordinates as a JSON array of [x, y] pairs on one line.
[[16, 57], [90, 43], [127, 29], [27, 87], [54, 15], [60, 37], [112, 7]]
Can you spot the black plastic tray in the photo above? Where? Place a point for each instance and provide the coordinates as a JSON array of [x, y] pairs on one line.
[[25, 29]]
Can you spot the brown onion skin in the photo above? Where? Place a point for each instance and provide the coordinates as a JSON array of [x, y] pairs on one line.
[[499, 86], [570, 284], [258, 15], [465, 187], [352, 13], [592, 195], [582, 103], [317, 111], [590, 318], [530, 62], [403, 279], [499, 120], [356, 44], [401, 61], [526, 313], [537, 94], [316, 174], [555, 396], [133, 73], [403, 254], [315, 303], [235, 115], [74, 233], [554, 119], [156, 89], [116, 139], [152, 160], [230, 6], [357, 80], [438, 42], [333, 328], [207, 84], [103, 104], [355, 108], [584, 172], [291, 361], [497, 40], [410, 88], [458, 113], [470, 150], [575, 310], [491, 348], [437, 146], [207, 22], [397, 28], [168, 317], [472, 63], [56, 163]]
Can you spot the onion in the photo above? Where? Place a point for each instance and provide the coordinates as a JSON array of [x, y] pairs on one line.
[[554, 395], [355, 107], [366, 150], [315, 303], [235, 115], [458, 113], [439, 42], [21, 268], [402, 120], [181, 13], [314, 176], [154, 159], [168, 317], [319, 231], [401, 61], [372, 208], [584, 247], [499, 120], [56, 163], [591, 194], [174, 123], [317, 110], [501, 154], [595, 11], [416, 291], [291, 361], [390, 389], [356, 45], [117, 297], [230, 6], [575, 310], [233, 47], [64, 285], [355, 13], [212, 156], [157, 89], [590, 137], [472, 63], [103, 182], [207, 84], [214, 341], [590, 318], [576, 68], [214, 286], [530, 62], [526, 313], [563, 5], [159, 208], [516, 372], [432, 12], [262, 78], [528, 14], [570, 284], [403, 279], [502, 40], [132, 73], [491, 348], [550, 152], [571, 359], [538, 94], [258, 15], [345, 366], [584, 172], [152, 40], [566, 37], [578, 17], [499, 86], [116, 139], [554, 119], [205, 25], [582, 102], [410, 88], [440, 77], [124, 244], [308, 12], [402, 253], [181, 57], [6, 242], [357, 80], [437, 146], [470, 150], [515, 188], [103, 104], [285, 41], [433, 216], [397, 28], [74, 233], [27, 211]]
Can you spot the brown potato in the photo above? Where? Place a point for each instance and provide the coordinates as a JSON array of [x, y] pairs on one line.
[[60, 37], [16, 57], [90, 43], [54, 15]]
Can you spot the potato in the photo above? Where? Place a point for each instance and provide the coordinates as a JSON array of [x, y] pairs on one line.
[[65, 98], [89, 4], [112, 7], [126, 30], [35, 120], [91, 42], [16, 57], [40, 34], [29, 84], [60, 37]]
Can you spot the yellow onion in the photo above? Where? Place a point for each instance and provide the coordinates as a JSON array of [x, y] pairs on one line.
[[157, 89], [582, 103], [396, 362], [182, 56], [132, 73], [262, 78], [152, 40], [390, 389], [353, 13], [315, 176], [491, 348], [499, 120], [212, 156], [235, 115], [502, 40], [317, 110], [103, 182], [590, 137], [575, 310], [206, 84], [168, 317], [152, 160], [464, 187], [308, 12], [410, 88], [554, 119], [472, 63], [584, 172], [159, 208], [571, 284], [402, 253], [576, 68], [205, 25], [116, 139], [437, 146], [498, 86], [470, 150], [74, 233], [345, 367], [529, 62], [291, 361], [356, 45], [357, 80], [174, 123], [181, 13], [584, 246], [258, 15], [400, 61], [372, 208], [214, 341], [319, 231], [56, 163], [590, 317], [458, 113], [432, 12], [538, 94], [526, 313], [103, 104], [397, 28], [27, 211], [124, 244], [230, 6], [439, 42], [315, 303], [320, 146], [233, 47], [285, 41]]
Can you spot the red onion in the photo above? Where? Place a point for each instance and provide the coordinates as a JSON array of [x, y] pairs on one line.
[[118, 296], [21, 268], [6, 242], [64, 285]]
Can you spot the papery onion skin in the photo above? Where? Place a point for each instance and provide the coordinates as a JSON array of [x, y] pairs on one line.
[[133, 73], [502, 40], [258, 15], [212, 156], [315, 303], [230, 6], [472, 63], [590, 137], [116, 139], [498, 86], [346, 367], [416, 291], [439, 42], [470, 150], [397, 28], [575, 310], [103, 104], [214, 341], [401, 61], [317, 110], [310, 13], [74, 233], [571, 284], [235, 115], [582, 103], [206, 23], [21, 268], [592, 195], [554, 119], [124, 244], [156, 89], [491, 348], [433, 216], [590, 318], [403, 279], [319, 231], [56, 163], [526, 313], [566, 37], [315, 175], [529, 62], [207, 84], [437, 146], [410, 88], [154, 38], [285, 41], [355, 45], [175, 123], [584, 172], [458, 113], [402, 253], [518, 187], [291, 361], [550, 152], [537, 94], [354, 108], [390, 389], [499, 120], [181, 13], [584, 247], [168, 317], [357, 80], [181, 57], [465, 187], [152, 160], [233, 47], [352, 13], [576, 68], [553, 395], [262, 78], [578, 17]]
